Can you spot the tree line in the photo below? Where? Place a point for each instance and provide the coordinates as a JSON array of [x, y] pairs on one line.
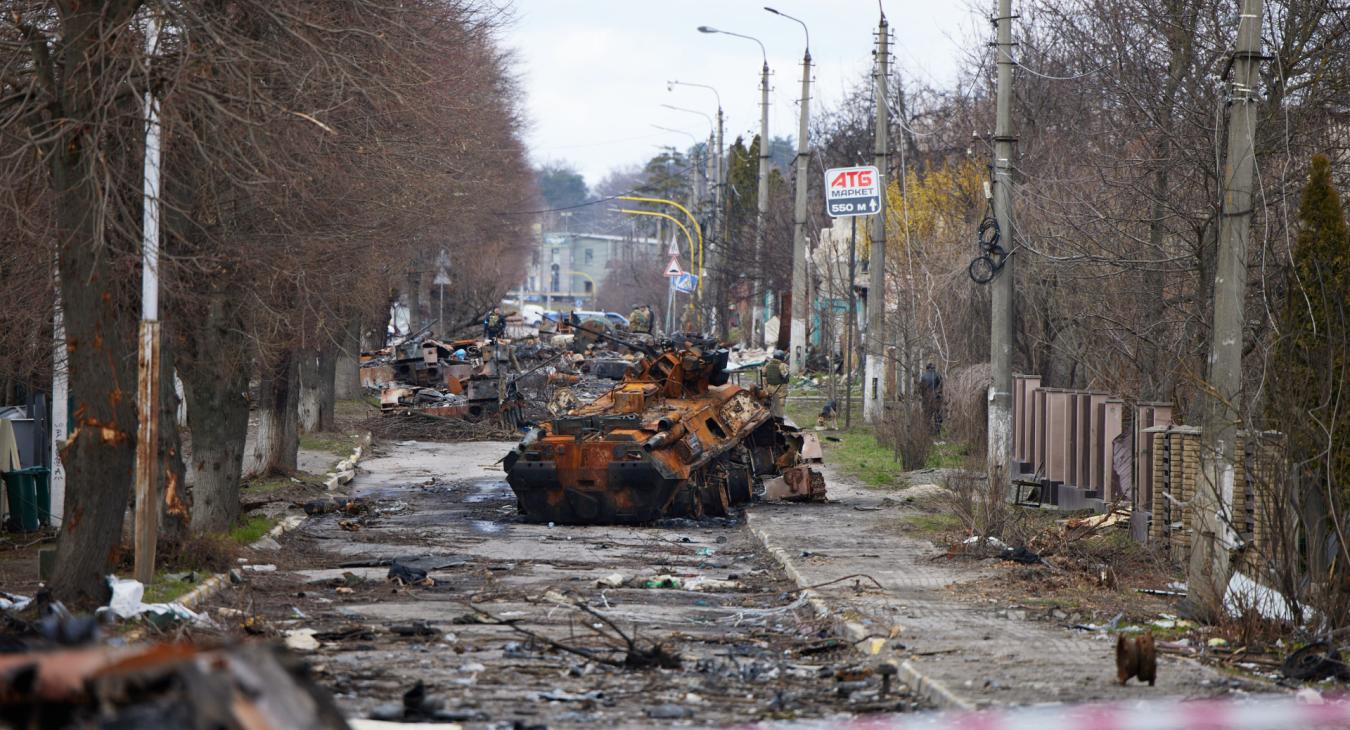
[[320, 160]]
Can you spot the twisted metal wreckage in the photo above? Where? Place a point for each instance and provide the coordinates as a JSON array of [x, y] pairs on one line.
[[674, 439]]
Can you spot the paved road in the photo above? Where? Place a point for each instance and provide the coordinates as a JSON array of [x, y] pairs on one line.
[[751, 649]]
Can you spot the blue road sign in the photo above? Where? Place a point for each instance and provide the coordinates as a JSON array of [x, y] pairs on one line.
[[686, 282]]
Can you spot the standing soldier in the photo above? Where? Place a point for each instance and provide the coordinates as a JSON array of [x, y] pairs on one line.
[[930, 389], [640, 320], [776, 377], [494, 324]]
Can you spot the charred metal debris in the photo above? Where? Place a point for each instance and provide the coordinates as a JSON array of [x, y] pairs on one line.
[[675, 438]]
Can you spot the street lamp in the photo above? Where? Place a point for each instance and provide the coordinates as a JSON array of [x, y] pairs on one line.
[[800, 307], [717, 174], [763, 206]]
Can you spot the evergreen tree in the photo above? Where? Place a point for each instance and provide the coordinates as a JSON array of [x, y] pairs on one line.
[[1309, 400]]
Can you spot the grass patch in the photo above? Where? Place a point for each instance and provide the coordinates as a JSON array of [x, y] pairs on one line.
[[938, 523], [252, 528], [947, 455], [858, 454], [357, 408], [168, 586], [333, 443]]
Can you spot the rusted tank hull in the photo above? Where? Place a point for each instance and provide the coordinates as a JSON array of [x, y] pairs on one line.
[[636, 492], [674, 439]]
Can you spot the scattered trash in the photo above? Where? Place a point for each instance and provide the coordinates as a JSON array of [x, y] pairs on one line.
[[407, 575], [558, 695], [1217, 642], [669, 712], [1315, 662], [1020, 555], [1168, 621], [126, 603], [705, 551], [417, 628], [13, 602], [1244, 593], [992, 542], [261, 568], [1136, 657], [302, 640], [662, 581], [701, 583], [613, 580]]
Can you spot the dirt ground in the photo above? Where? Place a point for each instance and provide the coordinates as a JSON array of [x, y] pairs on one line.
[[523, 623]]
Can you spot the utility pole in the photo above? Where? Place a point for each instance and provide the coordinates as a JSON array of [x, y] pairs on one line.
[[147, 381], [757, 308], [801, 308], [874, 371], [718, 228], [1213, 539], [1001, 311]]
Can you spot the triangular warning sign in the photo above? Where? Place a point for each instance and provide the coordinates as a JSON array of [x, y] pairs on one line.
[[673, 268], [674, 249]]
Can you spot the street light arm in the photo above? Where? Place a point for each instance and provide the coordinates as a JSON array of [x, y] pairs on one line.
[[799, 22], [711, 124], [762, 52], [671, 84]]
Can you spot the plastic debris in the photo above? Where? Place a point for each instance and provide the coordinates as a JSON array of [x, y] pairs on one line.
[[613, 580], [302, 640]]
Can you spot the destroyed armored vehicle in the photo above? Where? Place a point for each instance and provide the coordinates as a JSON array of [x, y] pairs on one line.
[[674, 439]]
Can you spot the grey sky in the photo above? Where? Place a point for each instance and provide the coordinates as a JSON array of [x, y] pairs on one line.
[[595, 71]]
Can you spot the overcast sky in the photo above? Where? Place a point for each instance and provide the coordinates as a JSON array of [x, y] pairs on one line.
[[595, 71]]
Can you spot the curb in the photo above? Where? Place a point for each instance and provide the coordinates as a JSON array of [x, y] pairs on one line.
[[921, 684], [216, 583]]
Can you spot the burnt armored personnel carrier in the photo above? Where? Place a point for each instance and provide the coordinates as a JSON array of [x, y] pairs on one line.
[[674, 439]]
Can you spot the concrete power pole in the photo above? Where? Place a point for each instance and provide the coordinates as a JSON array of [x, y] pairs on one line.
[[757, 308], [800, 306], [1001, 312], [147, 390], [874, 380], [1209, 568]]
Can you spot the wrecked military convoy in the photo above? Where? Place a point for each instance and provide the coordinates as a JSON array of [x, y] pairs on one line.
[[674, 439]]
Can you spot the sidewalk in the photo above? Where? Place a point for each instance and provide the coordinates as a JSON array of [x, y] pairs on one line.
[[959, 653]]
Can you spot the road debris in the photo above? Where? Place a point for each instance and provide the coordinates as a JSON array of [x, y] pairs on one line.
[[162, 685]]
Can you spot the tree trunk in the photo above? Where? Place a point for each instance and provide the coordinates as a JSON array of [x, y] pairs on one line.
[[215, 380], [98, 304], [347, 366], [172, 486], [308, 371], [327, 389], [218, 419], [278, 440]]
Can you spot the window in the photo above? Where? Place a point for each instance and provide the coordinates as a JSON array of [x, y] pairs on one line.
[[555, 255], [553, 283], [534, 257], [590, 287], [590, 255]]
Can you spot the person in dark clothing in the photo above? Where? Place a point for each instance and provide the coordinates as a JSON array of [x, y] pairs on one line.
[[930, 389], [494, 324], [777, 378]]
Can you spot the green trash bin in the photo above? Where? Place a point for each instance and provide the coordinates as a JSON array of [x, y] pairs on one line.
[[21, 486]]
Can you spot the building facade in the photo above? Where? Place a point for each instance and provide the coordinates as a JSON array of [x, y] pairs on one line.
[[567, 270]]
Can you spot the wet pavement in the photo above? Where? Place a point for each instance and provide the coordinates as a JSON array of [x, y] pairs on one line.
[[534, 625]]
